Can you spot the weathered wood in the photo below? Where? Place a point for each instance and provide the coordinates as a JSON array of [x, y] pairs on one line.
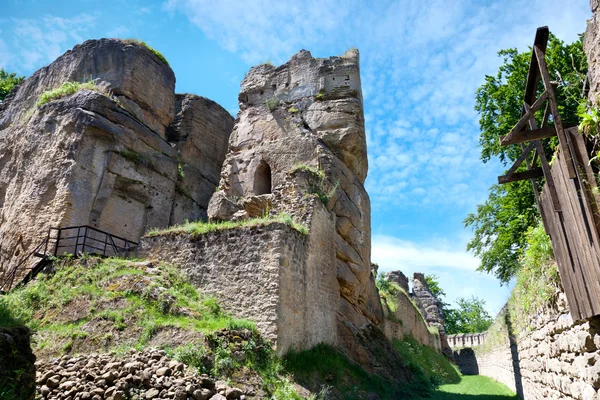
[[516, 132], [544, 163], [533, 77], [519, 176], [562, 138], [520, 160], [527, 136]]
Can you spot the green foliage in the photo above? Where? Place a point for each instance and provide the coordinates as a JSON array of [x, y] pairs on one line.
[[388, 291], [320, 186], [319, 96], [293, 110], [433, 282], [272, 103], [180, 172], [201, 227], [470, 317], [589, 121], [69, 88], [348, 379], [8, 80], [157, 53], [427, 363], [501, 222], [537, 281]]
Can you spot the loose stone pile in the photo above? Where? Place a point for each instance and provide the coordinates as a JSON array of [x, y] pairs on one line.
[[149, 374]]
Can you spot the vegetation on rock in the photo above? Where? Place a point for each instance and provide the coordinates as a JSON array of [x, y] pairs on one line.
[[157, 53], [201, 227], [8, 80], [501, 222], [69, 88], [319, 185]]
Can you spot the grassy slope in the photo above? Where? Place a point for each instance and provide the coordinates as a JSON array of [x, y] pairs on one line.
[[101, 305], [474, 387]]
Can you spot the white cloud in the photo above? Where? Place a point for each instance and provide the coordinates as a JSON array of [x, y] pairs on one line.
[[44, 39], [391, 253], [421, 65], [118, 32]]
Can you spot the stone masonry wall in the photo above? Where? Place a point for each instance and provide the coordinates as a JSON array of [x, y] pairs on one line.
[[273, 275], [557, 359]]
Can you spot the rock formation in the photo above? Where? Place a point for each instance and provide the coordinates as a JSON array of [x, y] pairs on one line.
[[307, 115], [431, 307], [140, 158]]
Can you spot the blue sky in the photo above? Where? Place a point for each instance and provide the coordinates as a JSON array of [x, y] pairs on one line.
[[421, 62]]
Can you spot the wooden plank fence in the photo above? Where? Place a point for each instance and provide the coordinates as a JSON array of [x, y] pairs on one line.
[[569, 200]]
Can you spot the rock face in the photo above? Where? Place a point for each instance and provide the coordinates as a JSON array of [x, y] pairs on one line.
[[17, 369], [93, 159], [431, 307], [307, 115], [591, 46], [399, 278]]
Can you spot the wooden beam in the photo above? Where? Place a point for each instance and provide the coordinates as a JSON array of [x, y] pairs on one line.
[[519, 176], [528, 136], [516, 131], [563, 139], [520, 160], [533, 77]]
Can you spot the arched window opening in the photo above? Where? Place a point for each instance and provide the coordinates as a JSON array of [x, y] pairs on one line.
[[262, 179]]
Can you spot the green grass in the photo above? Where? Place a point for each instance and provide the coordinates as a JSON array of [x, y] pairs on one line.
[[474, 387], [426, 362], [201, 227], [157, 53], [69, 88]]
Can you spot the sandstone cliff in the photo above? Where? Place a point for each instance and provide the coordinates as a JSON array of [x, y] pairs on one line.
[[125, 157]]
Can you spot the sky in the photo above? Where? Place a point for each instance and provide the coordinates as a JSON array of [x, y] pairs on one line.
[[421, 63]]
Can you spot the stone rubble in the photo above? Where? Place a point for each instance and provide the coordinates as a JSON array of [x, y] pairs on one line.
[[149, 374]]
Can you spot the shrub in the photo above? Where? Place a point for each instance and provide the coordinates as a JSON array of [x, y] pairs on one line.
[[157, 53], [272, 103], [69, 88]]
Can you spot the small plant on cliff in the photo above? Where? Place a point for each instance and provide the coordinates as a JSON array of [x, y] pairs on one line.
[[293, 110], [272, 103], [69, 88], [388, 291], [320, 187], [157, 53]]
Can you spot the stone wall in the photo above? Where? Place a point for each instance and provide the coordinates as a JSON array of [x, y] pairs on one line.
[[460, 340], [273, 275], [407, 320], [138, 158], [556, 358]]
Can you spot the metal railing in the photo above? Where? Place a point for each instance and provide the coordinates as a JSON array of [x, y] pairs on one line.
[[76, 240]]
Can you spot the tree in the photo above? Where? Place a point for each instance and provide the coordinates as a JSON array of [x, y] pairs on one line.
[[470, 317], [500, 223], [7, 82], [434, 286]]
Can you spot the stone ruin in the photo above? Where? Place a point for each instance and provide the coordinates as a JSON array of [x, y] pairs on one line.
[[134, 155]]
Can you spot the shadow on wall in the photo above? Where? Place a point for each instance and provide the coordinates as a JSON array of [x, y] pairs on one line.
[[514, 351], [466, 361]]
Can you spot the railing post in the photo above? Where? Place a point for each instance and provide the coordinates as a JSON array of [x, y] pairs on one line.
[[84, 238], [57, 241]]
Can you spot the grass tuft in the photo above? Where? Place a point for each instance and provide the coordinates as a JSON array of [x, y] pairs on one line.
[[201, 227], [69, 88], [157, 53]]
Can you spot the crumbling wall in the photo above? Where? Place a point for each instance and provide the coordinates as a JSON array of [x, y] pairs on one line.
[[104, 161], [308, 114], [273, 275]]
